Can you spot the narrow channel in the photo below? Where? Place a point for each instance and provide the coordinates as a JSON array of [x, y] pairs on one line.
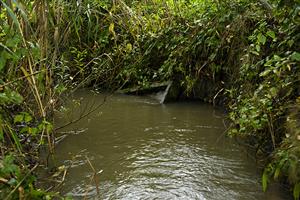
[[146, 150]]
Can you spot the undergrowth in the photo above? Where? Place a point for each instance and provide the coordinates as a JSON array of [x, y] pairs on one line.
[[247, 50]]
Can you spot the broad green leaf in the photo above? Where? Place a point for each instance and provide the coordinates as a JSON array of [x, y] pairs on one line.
[[128, 47], [261, 38], [33, 131], [276, 58], [60, 88], [273, 91], [295, 56], [257, 47], [290, 43], [271, 34], [27, 118], [45, 125], [49, 127], [25, 129], [12, 182], [19, 118]]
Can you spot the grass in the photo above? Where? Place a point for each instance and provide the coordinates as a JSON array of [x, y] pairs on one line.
[[247, 50]]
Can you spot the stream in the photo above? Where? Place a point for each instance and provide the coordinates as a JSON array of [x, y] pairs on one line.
[[141, 149]]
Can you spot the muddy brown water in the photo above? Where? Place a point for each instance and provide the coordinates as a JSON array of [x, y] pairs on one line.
[[145, 150]]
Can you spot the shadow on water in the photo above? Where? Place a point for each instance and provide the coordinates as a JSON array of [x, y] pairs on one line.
[[151, 151]]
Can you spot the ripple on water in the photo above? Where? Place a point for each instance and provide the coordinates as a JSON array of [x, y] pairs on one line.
[[150, 151]]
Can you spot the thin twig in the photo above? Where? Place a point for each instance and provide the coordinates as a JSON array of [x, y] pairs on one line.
[[19, 79], [94, 176], [83, 116], [271, 128], [63, 178], [214, 99]]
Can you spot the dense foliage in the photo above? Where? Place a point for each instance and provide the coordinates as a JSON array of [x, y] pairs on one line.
[[248, 52]]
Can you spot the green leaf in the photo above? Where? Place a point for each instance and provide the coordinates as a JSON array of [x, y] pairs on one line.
[[265, 73], [68, 198], [257, 47], [49, 127], [2, 63], [128, 47], [60, 88], [27, 118], [273, 91], [18, 118], [265, 180], [12, 14], [4, 98], [271, 34], [212, 56], [261, 38], [290, 43], [12, 182], [276, 173], [112, 29], [12, 42], [295, 56], [6, 48], [33, 131], [16, 140], [276, 58], [45, 126], [296, 191], [16, 97], [9, 166]]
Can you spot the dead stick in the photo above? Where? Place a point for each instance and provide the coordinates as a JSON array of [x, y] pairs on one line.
[[83, 116], [94, 176], [19, 79]]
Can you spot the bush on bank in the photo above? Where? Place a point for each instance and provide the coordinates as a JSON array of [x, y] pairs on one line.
[[248, 50]]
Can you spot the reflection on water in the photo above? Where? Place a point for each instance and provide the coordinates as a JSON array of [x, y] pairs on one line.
[[152, 151]]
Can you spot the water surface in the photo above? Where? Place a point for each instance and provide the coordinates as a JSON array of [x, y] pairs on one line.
[[145, 150]]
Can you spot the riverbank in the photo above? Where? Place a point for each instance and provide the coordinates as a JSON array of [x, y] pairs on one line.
[[244, 54]]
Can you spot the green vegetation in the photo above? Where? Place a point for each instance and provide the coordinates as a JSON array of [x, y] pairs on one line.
[[249, 51]]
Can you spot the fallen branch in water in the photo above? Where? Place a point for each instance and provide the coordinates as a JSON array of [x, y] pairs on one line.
[[83, 115], [94, 178]]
